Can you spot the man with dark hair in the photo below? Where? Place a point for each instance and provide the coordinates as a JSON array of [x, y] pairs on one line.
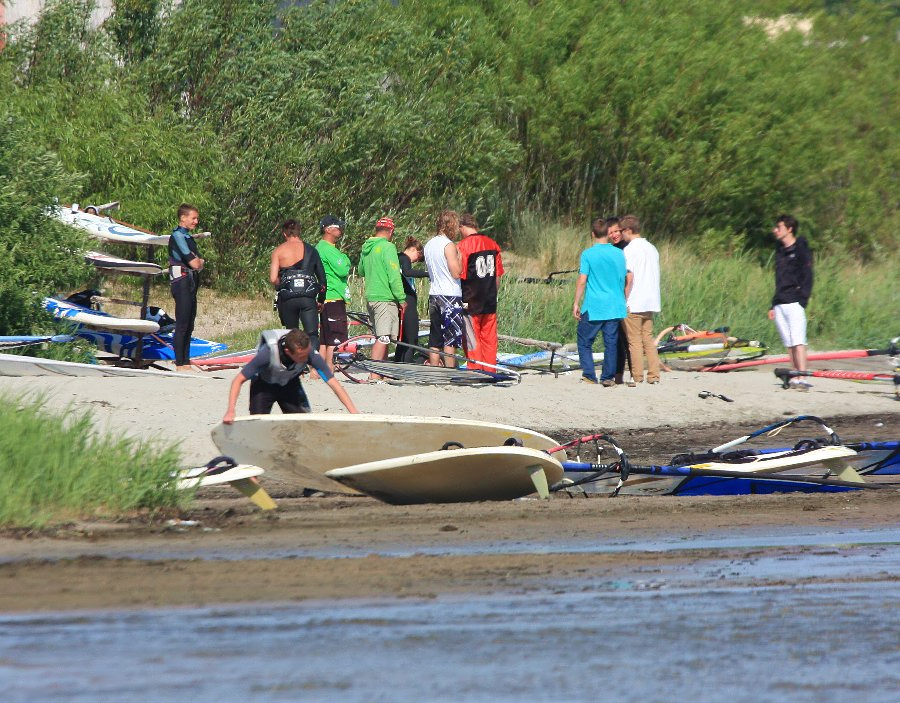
[[274, 375], [297, 273], [482, 267], [413, 251], [333, 318], [614, 232], [601, 281], [793, 286], [185, 265], [643, 300]]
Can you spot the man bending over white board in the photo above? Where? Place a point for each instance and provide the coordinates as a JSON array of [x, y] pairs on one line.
[[274, 375]]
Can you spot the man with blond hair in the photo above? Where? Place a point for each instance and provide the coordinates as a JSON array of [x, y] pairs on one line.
[[445, 292], [643, 300]]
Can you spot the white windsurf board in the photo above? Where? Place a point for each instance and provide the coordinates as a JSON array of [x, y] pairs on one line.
[[241, 477], [299, 449], [835, 460], [70, 312], [455, 476], [112, 230], [107, 262], [15, 365]]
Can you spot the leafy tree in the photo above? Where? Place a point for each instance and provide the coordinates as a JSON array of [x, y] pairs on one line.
[[38, 255]]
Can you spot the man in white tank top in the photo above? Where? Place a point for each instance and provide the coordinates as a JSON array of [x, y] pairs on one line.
[[445, 292]]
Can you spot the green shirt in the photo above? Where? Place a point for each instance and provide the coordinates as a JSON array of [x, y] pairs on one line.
[[379, 265], [337, 269]]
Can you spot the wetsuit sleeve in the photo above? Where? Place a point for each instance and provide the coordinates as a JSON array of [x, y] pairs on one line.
[[256, 364], [391, 263], [318, 362], [318, 269], [407, 270], [182, 247]]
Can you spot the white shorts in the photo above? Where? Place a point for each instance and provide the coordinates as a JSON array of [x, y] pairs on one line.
[[790, 321]]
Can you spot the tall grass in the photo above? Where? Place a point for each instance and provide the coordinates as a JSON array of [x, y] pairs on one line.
[[852, 304], [55, 467], [704, 285]]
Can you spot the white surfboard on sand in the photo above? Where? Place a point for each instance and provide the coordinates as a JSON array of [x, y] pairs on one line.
[[15, 365], [241, 476], [106, 262], [455, 476], [70, 312], [836, 461], [299, 449], [112, 230]]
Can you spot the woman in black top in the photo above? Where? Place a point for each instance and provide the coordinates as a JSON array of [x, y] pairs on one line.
[[409, 332]]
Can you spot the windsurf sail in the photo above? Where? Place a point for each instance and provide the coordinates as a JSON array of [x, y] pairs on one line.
[[785, 375], [891, 350]]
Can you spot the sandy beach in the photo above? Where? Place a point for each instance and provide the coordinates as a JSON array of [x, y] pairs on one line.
[[230, 552], [172, 409]]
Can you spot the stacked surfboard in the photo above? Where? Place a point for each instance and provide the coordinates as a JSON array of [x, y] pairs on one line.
[[123, 337], [396, 459]]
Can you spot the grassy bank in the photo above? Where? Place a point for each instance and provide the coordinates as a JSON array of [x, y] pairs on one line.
[[55, 468], [852, 305]]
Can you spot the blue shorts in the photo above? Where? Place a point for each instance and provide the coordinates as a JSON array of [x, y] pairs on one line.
[[446, 315]]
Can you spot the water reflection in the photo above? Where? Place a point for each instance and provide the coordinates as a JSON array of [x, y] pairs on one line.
[[717, 633]]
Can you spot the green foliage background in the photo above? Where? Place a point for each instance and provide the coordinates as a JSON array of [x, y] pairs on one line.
[[683, 112]]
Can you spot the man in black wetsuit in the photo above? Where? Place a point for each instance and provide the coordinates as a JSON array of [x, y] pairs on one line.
[[185, 265], [274, 375]]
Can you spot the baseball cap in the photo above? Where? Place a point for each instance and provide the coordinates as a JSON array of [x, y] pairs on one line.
[[331, 221], [385, 223]]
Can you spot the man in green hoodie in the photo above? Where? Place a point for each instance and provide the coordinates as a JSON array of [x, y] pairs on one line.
[[385, 297]]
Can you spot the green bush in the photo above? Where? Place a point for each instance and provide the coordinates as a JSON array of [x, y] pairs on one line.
[[72, 472], [691, 115]]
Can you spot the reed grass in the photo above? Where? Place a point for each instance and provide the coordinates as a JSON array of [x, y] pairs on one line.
[[853, 305], [55, 467]]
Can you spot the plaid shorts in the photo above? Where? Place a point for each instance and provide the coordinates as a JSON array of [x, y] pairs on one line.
[[446, 315]]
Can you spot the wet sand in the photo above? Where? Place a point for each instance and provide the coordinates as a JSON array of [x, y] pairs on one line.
[[225, 551]]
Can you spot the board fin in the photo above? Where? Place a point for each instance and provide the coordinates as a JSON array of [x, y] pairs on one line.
[[847, 473], [539, 479], [250, 487]]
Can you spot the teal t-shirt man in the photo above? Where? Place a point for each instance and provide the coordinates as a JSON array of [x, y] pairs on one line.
[[601, 280], [604, 295]]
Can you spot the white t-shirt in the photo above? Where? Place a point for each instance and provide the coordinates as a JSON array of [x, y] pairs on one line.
[[642, 260], [442, 283]]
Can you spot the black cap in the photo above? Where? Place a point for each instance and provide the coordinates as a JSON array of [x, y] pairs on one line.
[[331, 221]]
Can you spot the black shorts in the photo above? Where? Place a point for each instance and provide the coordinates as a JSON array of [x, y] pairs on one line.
[[333, 323], [291, 397]]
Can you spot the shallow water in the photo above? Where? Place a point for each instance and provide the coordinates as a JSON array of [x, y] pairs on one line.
[[750, 628]]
